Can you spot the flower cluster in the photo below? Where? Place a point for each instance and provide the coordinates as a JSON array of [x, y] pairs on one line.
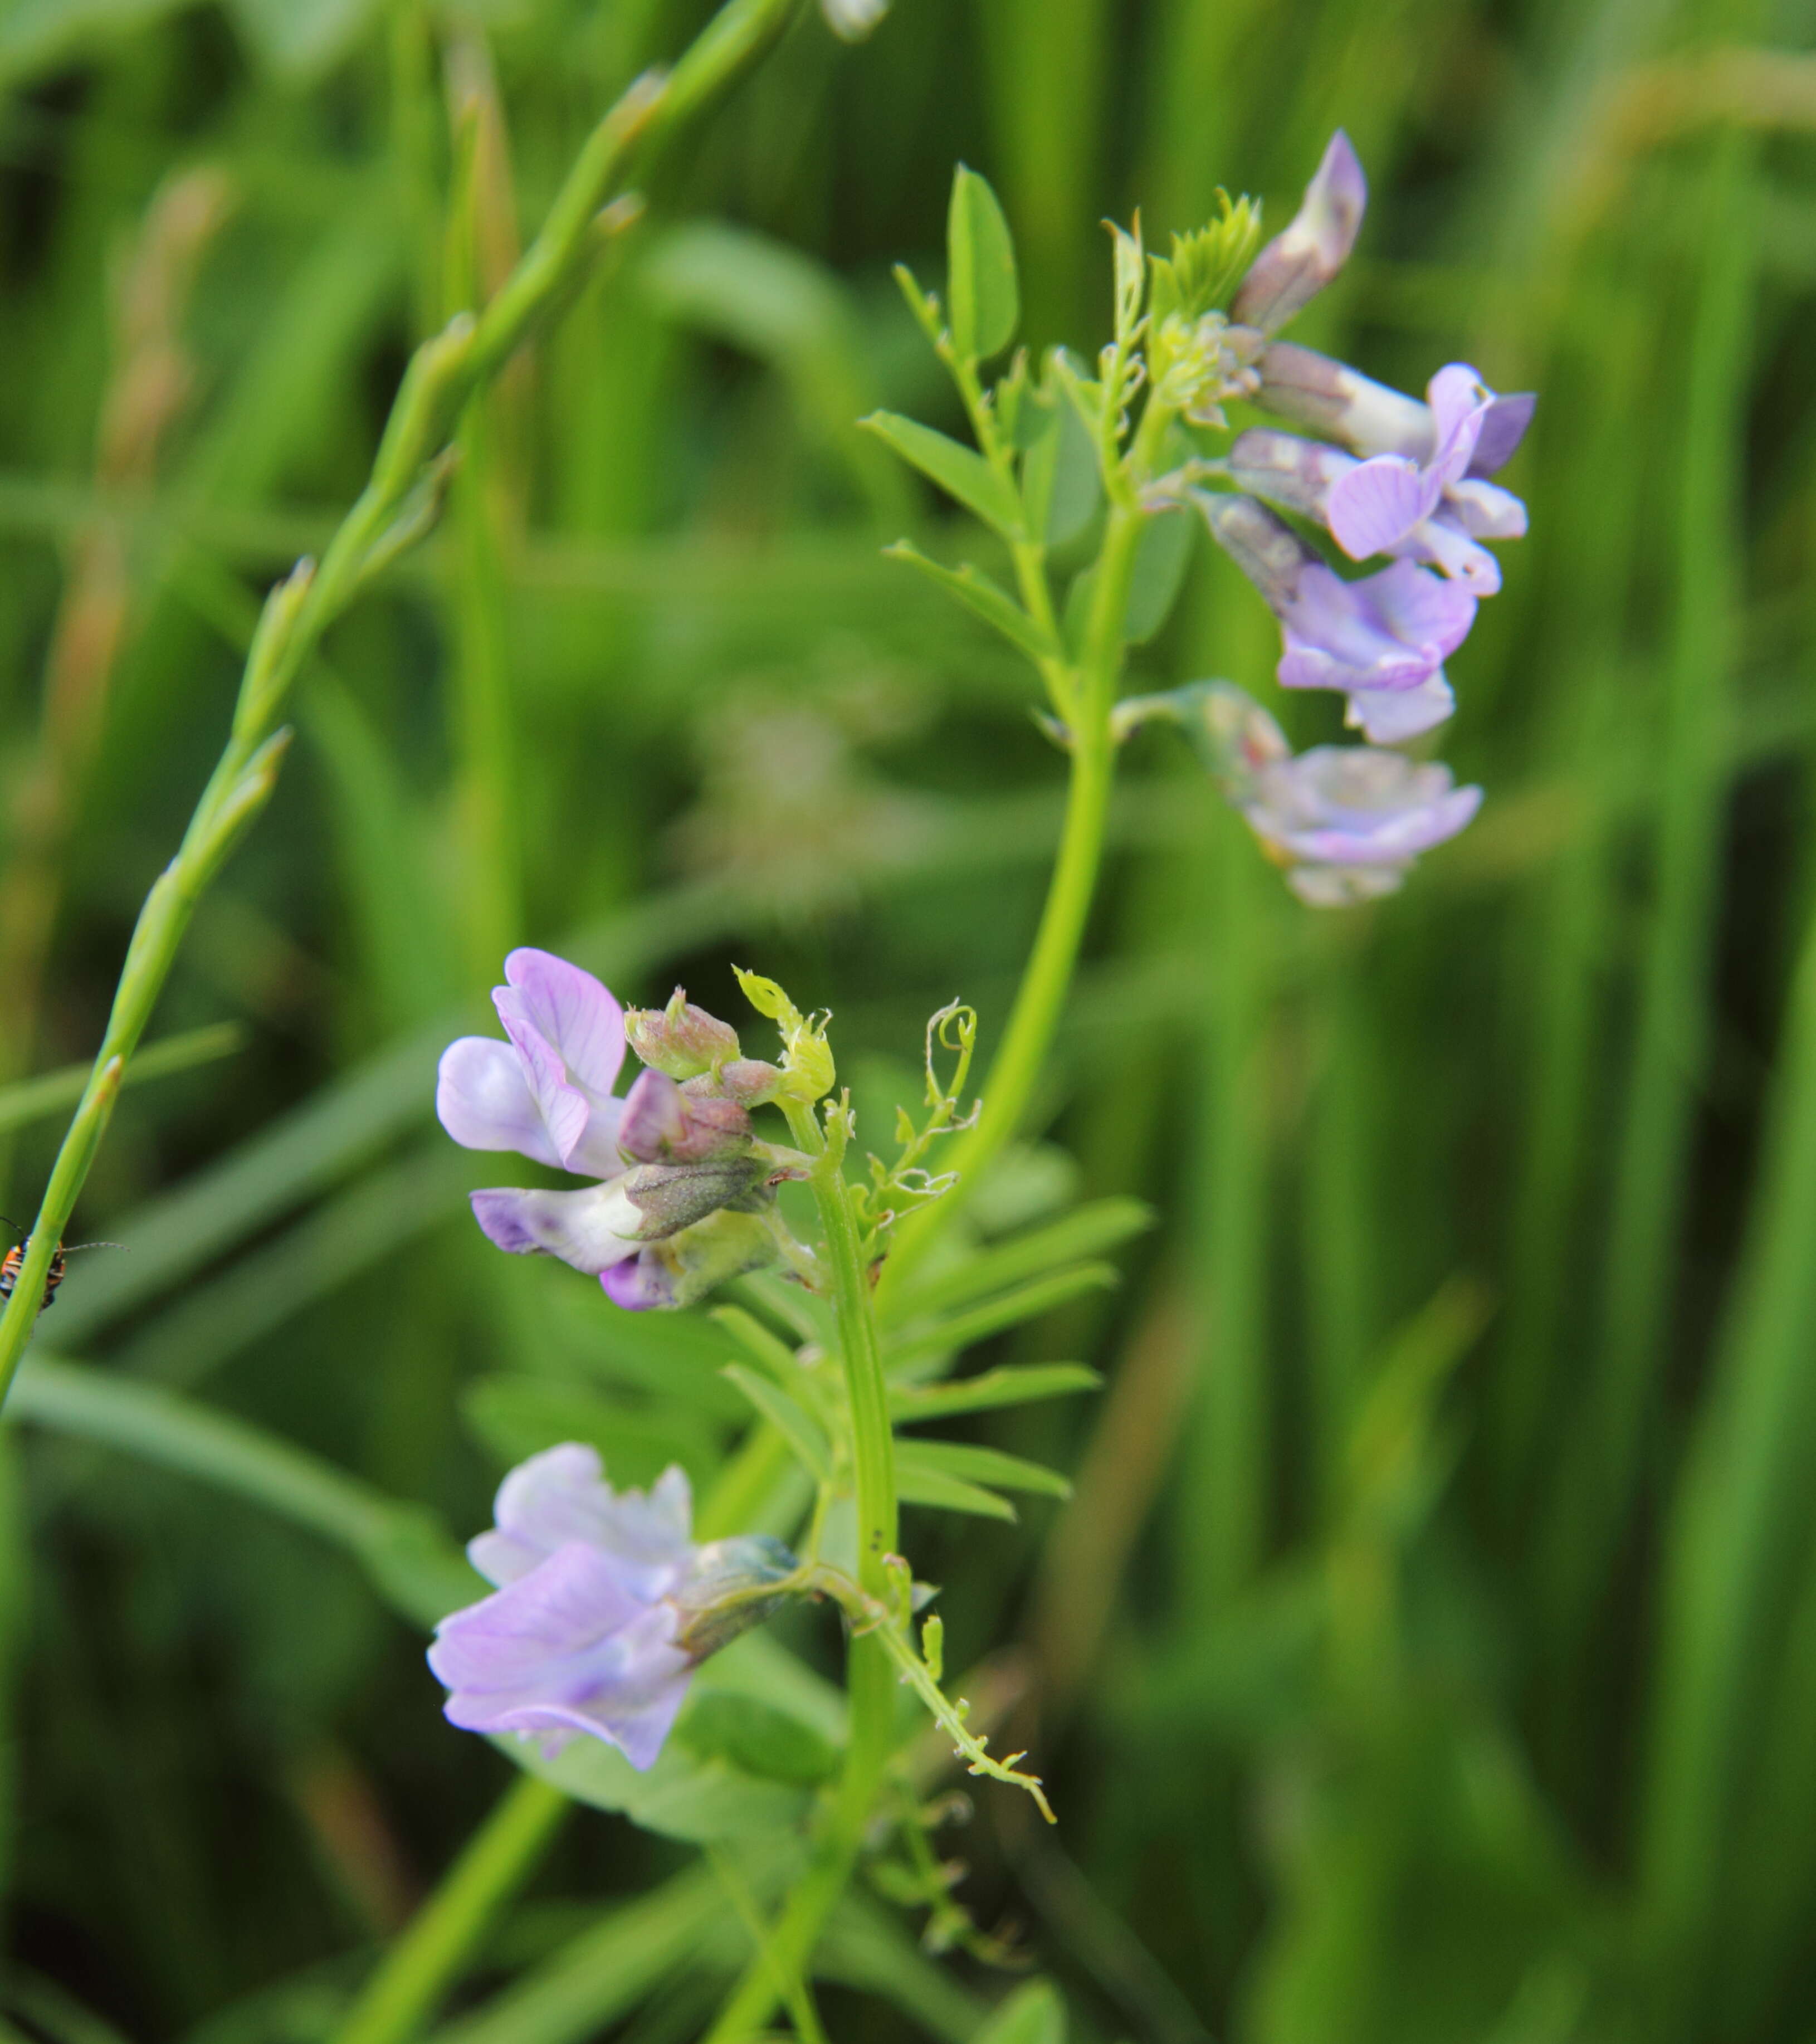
[[682, 1194], [604, 1606], [1389, 478]]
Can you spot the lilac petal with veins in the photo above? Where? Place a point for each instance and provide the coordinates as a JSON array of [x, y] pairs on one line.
[[483, 1100], [1374, 507], [573, 1012]]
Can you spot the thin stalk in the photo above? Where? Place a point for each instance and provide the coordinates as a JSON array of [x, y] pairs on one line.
[[400, 502], [430, 1955], [1039, 1000], [871, 1682]]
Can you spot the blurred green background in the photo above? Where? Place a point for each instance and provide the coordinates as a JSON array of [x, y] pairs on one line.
[[1429, 1652]]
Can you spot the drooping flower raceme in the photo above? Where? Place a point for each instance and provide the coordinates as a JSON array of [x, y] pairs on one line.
[[1388, 477], [1346, 822], [603, 1609], [662, 1160]]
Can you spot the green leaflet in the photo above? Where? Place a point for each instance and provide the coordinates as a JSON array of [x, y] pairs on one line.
[[986, 598], [983, 299], [1015, 1383], [920, 1482], [959, 472], [803, 1433], [981, 1465]]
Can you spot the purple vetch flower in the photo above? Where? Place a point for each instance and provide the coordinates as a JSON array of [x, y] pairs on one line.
[[604, 1606], [1315, 245], [662, 1159], [1346, 822], [1382, 640], [1435, 507]]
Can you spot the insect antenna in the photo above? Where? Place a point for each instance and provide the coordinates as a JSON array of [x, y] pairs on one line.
[[71, 1248]]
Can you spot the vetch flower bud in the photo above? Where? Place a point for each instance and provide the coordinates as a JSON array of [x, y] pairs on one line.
[[680, 1040], [660, 1123], [668, 1197], [1297, 264]]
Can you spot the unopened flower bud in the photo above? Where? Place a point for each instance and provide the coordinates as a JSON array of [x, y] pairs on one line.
[[731, 1586], [668, 1197], [681, 1039], [661, 1124], [1297, 264], [747, 1081]]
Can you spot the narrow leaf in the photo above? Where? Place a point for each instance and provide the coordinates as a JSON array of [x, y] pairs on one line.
[[959, 472], [972, 1464], [1015, 1383], [987, 599], [1023, 1304], [920, 1483], [803, 1432], [1161, 554], [1087, 1231]]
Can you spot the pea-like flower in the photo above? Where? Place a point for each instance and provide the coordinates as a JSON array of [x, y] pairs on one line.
[[1435, 511], [1436, 506], [604, 1607], [660, 1160], [1346, 822], [1383, 639]]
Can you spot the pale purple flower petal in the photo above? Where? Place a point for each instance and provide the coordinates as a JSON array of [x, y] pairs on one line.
[[546, 1093], [1382, 640], [569, 1646], [1390, 717], [1485, 511], [562, 1495], [1298, 263], [1390, 631], [1503, 430], [570, 1033], [1376, 506], [484, 1100], [574, 1013], [592, 1229]]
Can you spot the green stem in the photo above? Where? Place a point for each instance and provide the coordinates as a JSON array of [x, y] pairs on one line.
[[871, 1684], [423, 1963], [1041, 998], [397, 504]]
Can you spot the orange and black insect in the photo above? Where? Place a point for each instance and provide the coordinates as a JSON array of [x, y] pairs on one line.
[[16, 1256]]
